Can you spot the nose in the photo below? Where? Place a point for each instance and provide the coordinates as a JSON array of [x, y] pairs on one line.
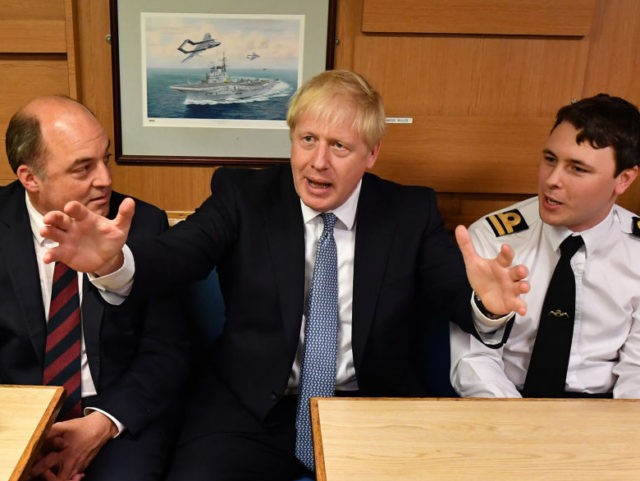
[[554, 177], [321, 156], [103, 175]]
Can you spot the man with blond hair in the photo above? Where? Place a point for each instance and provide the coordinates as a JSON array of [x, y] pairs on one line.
[[330, 277]]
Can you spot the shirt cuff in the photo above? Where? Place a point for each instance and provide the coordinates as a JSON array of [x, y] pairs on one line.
[[115, 287], [491, 331], [119, 426]]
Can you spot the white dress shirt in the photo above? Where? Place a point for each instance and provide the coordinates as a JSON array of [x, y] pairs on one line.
[[45, 271], [605, 349], [344, 233], [46, 280]]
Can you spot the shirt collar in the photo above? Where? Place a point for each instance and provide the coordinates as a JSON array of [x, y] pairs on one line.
[[592, 237], [36, 221], [346, 213]]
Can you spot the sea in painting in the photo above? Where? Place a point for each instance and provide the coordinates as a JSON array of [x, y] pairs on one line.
[[164, 102]]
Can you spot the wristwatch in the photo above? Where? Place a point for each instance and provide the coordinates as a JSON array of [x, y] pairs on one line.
[[485, 312]]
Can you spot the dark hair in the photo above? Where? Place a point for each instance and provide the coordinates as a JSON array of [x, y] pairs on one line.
[[606, 121], [24, 143]]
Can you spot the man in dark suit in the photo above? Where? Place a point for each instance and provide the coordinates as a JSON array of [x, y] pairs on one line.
[[133, 360], [397, 272]]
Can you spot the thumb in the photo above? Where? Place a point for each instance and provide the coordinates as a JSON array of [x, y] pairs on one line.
[[125, 213]]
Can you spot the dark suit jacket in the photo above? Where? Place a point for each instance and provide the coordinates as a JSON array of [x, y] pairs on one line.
[[138, 355], [407, 274]]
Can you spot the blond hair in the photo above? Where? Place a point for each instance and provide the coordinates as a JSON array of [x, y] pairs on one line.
[[324, 96]]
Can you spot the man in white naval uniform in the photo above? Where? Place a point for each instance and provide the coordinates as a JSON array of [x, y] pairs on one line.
[[589, 159]]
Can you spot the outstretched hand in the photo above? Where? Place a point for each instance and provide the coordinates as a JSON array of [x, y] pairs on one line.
[[88, 242], [495, 281]]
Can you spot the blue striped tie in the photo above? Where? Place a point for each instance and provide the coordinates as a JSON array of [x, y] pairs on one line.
[[318, 376]]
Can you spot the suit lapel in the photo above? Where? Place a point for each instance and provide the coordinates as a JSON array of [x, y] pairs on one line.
[[375, 227], [285, 236], [92, 313], [93, 308], [23, 268]]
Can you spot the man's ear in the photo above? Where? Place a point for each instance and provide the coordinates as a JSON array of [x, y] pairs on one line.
[[373, 155], [29, 180], [625, 179]]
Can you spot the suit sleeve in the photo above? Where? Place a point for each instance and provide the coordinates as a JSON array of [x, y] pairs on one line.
[[190, 250], [153, 341]]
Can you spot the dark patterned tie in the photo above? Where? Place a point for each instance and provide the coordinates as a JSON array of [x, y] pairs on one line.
[[547, 371], [62, 356], [318, 376]]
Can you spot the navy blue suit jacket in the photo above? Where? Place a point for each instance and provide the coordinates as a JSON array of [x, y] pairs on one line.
[[138, 354], [407, 274]]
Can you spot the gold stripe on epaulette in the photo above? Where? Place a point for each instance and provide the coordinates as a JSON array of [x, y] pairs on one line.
[[507, 222], [635, 226]]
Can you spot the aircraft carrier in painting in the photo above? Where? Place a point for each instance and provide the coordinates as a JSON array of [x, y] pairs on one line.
[[217, 86]]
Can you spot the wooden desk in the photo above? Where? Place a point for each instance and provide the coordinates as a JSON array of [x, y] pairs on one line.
[[26, 412], [476, 439]]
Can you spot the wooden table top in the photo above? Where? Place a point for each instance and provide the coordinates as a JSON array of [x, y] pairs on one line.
[[476, 439], [26, 412]]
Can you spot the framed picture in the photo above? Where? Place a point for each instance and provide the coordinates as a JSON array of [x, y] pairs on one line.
[[208, 82]]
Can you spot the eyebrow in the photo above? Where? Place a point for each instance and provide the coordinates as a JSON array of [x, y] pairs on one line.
[[84, 160], [549, 152]]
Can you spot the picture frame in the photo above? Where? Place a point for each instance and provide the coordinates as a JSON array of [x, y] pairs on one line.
[[198, 82]]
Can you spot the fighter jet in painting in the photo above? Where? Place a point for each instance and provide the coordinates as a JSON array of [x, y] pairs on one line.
[[197, 48], [252, 56]]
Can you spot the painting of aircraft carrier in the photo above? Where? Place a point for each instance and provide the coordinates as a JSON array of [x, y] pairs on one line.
[[242, 71], [218, 86]]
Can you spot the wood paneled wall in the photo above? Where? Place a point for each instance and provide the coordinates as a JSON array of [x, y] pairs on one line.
[[480, 79], [37, 57]]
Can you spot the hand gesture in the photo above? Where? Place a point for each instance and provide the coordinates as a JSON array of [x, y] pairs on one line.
[[88, 242], [495, 281]]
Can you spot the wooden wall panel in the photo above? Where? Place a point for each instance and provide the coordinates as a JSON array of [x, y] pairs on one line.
[[21, 80], [476, 104], [481, 105], [33, 26], [37, 57], [614, 62], [458, 154], [487, 17]]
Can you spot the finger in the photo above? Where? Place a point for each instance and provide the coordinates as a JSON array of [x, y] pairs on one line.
[[125, 213], [464, 243], [519, 272], [60, 253], [49, 476], [46, 463], [523, 287], [505, 256], [57, 219], [76, 210]]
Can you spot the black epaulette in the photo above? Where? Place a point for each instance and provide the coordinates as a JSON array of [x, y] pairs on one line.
[[635, 226], [507, 222]]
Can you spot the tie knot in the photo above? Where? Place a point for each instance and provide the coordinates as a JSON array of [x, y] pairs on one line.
[[570, 246], [329, 220]]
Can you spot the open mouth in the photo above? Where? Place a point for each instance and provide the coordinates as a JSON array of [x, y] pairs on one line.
[[318, 185], [551, 201]]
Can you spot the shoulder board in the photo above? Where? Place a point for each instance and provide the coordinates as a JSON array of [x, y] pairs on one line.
[[635, 226], [507, 222]]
